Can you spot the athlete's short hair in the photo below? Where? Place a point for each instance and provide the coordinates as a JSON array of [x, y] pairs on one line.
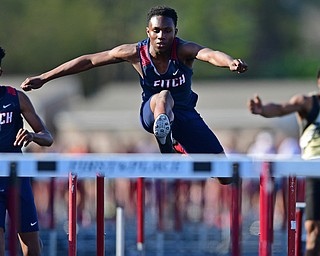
[[162, 11], [2, 53], [318, 75]]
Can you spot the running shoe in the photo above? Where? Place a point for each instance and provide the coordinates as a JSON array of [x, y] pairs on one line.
[[162, 131], [225, 180], [178, 148], [161, 128]]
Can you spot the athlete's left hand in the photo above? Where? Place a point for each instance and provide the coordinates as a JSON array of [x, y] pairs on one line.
[[23, 138], [238, 65]]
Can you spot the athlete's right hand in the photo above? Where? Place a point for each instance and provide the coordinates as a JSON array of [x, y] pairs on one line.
[[255, 105], [23, 138], [32, 83]]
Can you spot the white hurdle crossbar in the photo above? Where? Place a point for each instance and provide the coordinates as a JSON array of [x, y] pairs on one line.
[[164, 166], [153, 165]]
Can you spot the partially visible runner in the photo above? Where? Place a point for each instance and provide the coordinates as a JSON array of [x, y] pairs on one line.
[[164, 63], [307, 109], [13, 104]]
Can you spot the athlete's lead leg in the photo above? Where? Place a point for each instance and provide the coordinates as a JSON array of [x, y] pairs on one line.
[[161, 105]]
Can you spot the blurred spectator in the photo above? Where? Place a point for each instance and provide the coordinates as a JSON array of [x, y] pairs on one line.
[[289, 146]]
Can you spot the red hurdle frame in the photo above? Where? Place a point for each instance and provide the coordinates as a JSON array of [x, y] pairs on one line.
[[266, 213]]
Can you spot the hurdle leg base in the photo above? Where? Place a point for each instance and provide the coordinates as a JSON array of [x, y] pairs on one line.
[[140, 246]]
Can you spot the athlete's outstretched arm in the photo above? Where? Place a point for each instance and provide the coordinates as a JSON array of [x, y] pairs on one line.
[[221, 59], [214, 57], [295, 104], [118, 54]]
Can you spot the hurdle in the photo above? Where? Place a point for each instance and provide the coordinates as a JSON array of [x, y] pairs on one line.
[[13, 208], [53, 232], [140, 166], [235, 211], [100, 214], [300, 208]]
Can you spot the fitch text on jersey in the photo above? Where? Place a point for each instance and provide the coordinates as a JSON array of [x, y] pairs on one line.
[[170, 83], [6, 118]]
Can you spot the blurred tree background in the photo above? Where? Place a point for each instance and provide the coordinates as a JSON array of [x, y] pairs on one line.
[[278, 39]]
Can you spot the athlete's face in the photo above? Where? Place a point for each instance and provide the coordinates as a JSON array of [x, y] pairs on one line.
[[161, 31]]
